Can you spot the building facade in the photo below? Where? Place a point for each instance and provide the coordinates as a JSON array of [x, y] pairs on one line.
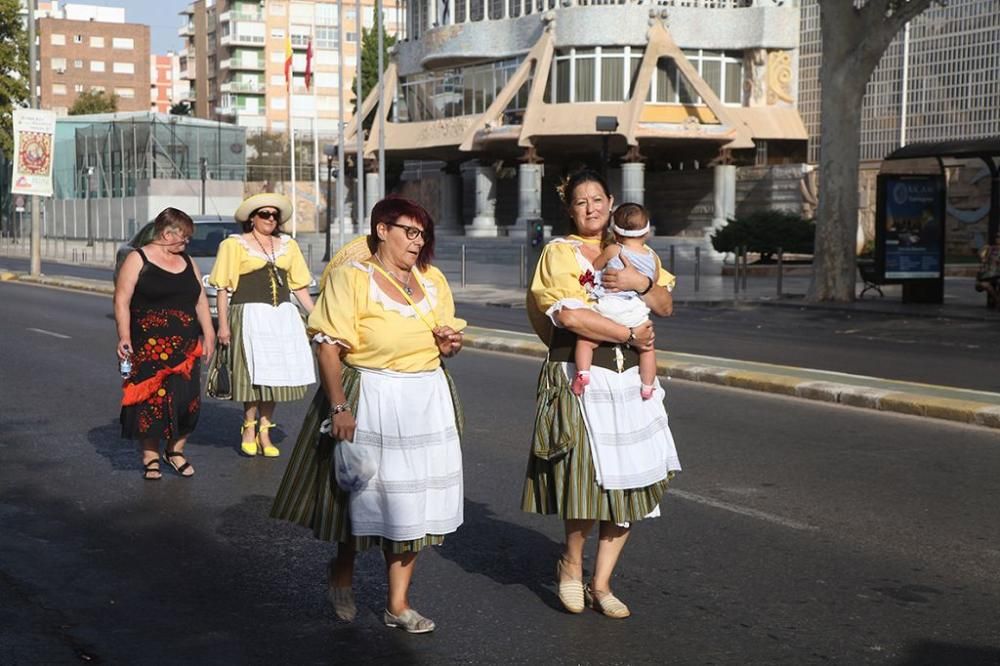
[[166, 87], [234, 58], [938, 80], [84, 48], [689, 104]]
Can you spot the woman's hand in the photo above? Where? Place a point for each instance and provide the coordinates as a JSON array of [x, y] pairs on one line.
[[124, 348], [644, 336], [343, 426], [208, 345], [625, 279], [224, 336], [449, 341]]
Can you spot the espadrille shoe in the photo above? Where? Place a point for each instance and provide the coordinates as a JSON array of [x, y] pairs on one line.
[[607, 603], [570, 589]]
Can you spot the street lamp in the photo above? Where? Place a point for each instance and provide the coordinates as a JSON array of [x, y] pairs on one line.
[[330, 150], [606, 125], [89, 173]]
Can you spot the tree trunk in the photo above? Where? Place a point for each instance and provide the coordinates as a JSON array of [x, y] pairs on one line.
[[834, 270]]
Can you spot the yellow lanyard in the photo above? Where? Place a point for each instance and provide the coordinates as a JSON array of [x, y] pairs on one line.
[[409, 300]]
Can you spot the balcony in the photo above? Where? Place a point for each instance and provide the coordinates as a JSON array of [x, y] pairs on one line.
[[237, 64], [186, 30], [235, 16], [299, 41], [250, 88], [236, 39]]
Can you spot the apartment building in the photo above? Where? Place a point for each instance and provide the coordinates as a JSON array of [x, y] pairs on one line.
[[166, 85], [234, 58], [85, 47]]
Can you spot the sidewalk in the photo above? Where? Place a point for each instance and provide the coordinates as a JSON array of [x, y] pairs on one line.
[[966, 406]]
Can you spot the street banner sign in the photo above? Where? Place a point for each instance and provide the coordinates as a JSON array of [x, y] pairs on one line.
[[910, 227], [34, 139]]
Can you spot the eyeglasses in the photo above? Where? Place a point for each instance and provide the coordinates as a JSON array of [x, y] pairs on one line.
[[268, 215], [180, 234], [411, 232]]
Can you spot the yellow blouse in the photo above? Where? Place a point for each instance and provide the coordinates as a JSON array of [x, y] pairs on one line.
[[237, 257], [376, 331], [557, 280]]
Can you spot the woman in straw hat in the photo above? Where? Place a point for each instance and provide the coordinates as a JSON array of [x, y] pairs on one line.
[[266, 344]]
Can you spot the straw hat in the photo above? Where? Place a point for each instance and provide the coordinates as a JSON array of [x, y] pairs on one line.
[[269, 199]]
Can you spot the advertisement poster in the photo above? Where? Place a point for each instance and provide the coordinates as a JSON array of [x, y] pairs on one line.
[[913, 227], [34, 137]]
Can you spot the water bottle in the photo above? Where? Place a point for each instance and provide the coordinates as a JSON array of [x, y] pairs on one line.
[[125, 367]]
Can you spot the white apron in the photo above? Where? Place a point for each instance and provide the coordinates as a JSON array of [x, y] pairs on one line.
[[276, 346], [418, 490], [630, 438]]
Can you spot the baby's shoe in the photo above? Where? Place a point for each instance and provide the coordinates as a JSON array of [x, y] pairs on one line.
[[580, 382], [647, 391]]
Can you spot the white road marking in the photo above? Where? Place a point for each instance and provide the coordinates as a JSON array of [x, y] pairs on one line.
[[746, 511], [54, 335]]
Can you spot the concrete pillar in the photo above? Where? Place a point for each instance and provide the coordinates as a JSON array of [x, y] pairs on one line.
[[449, 220], [484, 223], [723, 197], [634, 183], [529, 198], [371, 194]]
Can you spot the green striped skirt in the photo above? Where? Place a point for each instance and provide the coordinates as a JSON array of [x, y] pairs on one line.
[[243, 389], [309, 494], [561, 478]]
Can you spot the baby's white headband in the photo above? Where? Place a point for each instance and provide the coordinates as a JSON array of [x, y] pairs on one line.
[[629, 233]]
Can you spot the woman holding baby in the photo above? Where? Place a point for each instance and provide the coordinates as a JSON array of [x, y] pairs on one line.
[[602, 449]]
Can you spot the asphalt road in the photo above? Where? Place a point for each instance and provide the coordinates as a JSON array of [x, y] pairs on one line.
[[947, 352], [798, 533]]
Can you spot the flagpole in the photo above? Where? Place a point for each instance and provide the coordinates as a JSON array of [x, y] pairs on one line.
[[290, 81], [311, 86], [359, 131], [381, 95], [341, 167]]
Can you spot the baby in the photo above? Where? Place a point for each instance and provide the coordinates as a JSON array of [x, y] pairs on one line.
[[630, 225]]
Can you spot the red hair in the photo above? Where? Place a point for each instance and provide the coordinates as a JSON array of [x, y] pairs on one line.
[[389, 210]]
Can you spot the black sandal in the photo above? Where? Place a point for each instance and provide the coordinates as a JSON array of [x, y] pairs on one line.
[[149, 469], [167, 455]]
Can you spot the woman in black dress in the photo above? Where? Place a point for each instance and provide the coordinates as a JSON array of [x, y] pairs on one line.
[[160, 311]]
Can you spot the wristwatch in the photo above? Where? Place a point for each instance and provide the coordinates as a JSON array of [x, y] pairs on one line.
[[646, 290], [342, 407], [631, 336]]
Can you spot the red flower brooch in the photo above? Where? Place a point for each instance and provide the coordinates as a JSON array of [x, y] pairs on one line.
[[588, 279]]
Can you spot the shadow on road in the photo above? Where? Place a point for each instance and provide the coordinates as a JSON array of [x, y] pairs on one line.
[[934, 653], [507, 553]]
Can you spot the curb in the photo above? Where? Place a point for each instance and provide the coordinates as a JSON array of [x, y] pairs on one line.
[[901, 402], [914, 404]]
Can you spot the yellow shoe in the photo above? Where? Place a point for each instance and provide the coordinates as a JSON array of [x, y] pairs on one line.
[[249, 448], [269, 450]]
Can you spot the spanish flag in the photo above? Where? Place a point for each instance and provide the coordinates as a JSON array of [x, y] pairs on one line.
[[288, 63]]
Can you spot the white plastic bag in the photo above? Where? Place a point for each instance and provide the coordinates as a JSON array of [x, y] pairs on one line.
[[354, 465]]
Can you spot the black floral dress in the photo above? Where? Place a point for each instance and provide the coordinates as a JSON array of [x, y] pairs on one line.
[[162, 395]]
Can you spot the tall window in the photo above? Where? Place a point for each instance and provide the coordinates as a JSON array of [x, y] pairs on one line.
[[601, 74], [458, 92], [721, 70]]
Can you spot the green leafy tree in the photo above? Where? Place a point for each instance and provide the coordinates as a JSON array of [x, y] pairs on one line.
[[94, 101], [13, 70], [855, 36], [369, 60], [180, 109]]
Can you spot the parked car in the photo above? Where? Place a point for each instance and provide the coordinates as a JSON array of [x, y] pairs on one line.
[[209, 232]]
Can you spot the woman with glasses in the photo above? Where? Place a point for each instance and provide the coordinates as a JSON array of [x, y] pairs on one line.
[[383, 322], [265, 340], [161, 311]]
